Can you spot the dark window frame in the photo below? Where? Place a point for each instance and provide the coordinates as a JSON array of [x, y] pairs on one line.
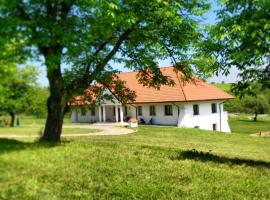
[[168, 110], [152, 110], [196, 109], [126, 111], [140, 111], [214, 107]]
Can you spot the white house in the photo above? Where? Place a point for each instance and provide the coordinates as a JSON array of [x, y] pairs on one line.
[[196, 104]]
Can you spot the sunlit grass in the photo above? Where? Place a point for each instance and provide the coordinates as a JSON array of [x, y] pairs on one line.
[[244, 123], [153, 163]]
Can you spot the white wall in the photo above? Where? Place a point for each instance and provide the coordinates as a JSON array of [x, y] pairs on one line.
[[204, 120], [160, 117]]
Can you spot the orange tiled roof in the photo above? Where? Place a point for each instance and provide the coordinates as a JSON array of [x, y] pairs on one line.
[[196, 90]]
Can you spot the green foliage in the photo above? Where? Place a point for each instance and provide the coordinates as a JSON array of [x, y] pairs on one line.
[[16, 84], [241, 39], [36, 97], [135, 33], [153, 163], [259, 103]]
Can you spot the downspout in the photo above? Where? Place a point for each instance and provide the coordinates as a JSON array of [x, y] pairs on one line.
[[220, 119]]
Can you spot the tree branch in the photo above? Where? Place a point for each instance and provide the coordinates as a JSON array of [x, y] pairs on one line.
[[100, 48], [116, 47], [21, 11], [88, 78]]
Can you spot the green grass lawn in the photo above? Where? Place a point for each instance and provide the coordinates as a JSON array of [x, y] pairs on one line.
[[31, 120], [28, 130], [224, 86], [153, 163], [243, 124]]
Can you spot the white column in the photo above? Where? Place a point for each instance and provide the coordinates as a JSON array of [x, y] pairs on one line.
[[121, 114], [99, 114], [116, 113], [104, 114]]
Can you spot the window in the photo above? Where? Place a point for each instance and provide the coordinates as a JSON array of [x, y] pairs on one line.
[[168, 110], [152, 111], [114, 111], [139, 110], [214, 108], [93, 111], [196, 127], [125, 110], [83, 112], [214, 127], [196, 109]]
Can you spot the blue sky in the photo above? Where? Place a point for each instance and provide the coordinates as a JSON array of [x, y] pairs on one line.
[[208, 18]]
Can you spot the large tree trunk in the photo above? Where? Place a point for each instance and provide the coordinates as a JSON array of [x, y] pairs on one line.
[[12, 122], [57, 102], [56, 112]]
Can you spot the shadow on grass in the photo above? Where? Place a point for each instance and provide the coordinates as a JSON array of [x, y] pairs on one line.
[[209, 157], [7, 145]]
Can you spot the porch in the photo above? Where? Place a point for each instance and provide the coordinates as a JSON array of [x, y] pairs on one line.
[[111, 113], [106, 113]]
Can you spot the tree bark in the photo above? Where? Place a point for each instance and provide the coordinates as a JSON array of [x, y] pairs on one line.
[[12, 122], [256, 115], [57, 102], [56, 111]]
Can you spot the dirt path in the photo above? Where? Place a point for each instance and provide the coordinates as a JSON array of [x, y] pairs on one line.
[[105, 130]]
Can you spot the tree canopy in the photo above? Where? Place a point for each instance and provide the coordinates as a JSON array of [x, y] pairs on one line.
[[16, 84], [256, 104], [78, 40], [240, 39]]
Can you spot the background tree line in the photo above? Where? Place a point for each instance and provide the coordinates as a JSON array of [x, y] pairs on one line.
[[256, 103], [20, 93]]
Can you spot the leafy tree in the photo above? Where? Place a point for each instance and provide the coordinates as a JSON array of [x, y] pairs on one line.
[[257, 105], [241, 39], [15, 87], [36, 96], [79, 38]]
